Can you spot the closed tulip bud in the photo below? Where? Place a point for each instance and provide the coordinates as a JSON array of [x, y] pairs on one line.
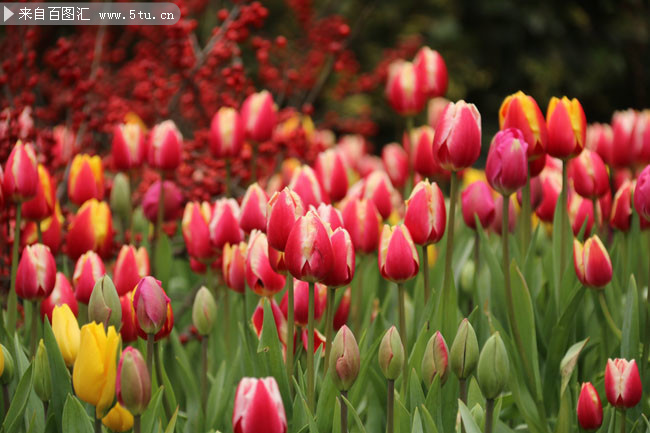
[[589, 175], [171, 207], [86, 179], [166, 329], [204, 311], [600, 139], [420, 141], [305, 183], [331, 171], [342, 270], [436, 360], [90, 230], [642, 194], [405, 88], [623, 123], [567, 128], [133, 384], [308, 253], [131, 266], [301, 301], [104, 305], [226, 133], [118, 419], [42, 205], [61, 294], [391, 354], [432, 71], [42, 377], [457, 142], [426, 215], [36, 273], [224, 225], [129, 329], [520, 111], [344, 359], [165, 146], [493, 367], [150, 303], [330, 215], [258, 407], [120, 200], [234, 266], [581, 212], [261, 278], [396, 164], [8, 368], [93, 376], [88, 270], [129, 147], [343, 310], [621, 215], [507, 165], [622, 383], [196, 229], [21, 178], [590, 410], [284, 209], [464, 351], [259, 116], [66, 332], [477, 200], [398, 259], [253, 209], [363, 222]]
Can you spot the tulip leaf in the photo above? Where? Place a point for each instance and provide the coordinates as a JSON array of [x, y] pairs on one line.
[[172, 422], [34, 415], [468, 419], [163, 259], [416, 396], [150, 415], [355, 416], [429, 424], [75, 418], [569, 362], [59, 373], [565, 415], [326, 401], [417, 422], [18, 404], [271, 349], [630, 341], [218, 396]]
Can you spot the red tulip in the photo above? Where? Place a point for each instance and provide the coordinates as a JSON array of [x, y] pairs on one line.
[[36, 273], [129, 147], [86, 179], [131, 266], [308, 253], [20, 181], [224, 225], [301, 301], [352, 147], [378, 188], [580, 210], [622, 383], [253, 209], [61, 294], [343, 310], [258, 407], [150, 303], [621, 215], [623, 123], [497, 222], [426, 216], [567, 128], [165, 146], [332, 173], [420, 142], [641, 138], [477, 199], [50, 230], [196, 230], [589, 175], [600, 140], [319, 340], [551, 186], [342, 270], [226, 133], [234, 266], [363, 222], [330, 215], [129, 329], [261, 278], [172, 207], [396, 164], [590, 410], [42, 205], [306, 185], [592, 264], [90, 230], [435, 107], [88, 269], [457, 141], [432, 72], [276, 259], [279, 319], [284, 208], [507, 168], [642, 194], [398, 259], [535, 192], [259, 116], [405, 90]]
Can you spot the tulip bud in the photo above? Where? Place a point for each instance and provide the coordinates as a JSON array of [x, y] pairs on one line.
[[600, 140], [129, 147], [363, 222], [261, 278], [258, 407], [90, 230], [42, 205], [130, 267], [391, 354], [253, 209], [66, 332], [457, 142], [87, 272], [398, 259], [330, 215], [133, 385], [331, 171], [284, 209], [204, 311], [234, 266], [435, 360], [121, 197], [493, 367], [590, 410], [396, 164], [21, 178], [86, 179], [405, 88], [621, 215], [308, 253], [377, 187], [344, 359], [567, 128], [61, 294], [342, 270], [477, 199], [118, 419], [506, 168], [622, 383], [150, 303], [464, 351], [42, 377], [432, 72], [224, 225], [589, 175], [8, 371], [165, 146], [104, 304], [226, 133], [171, 207], [642, 194], [426, 215], [259, 116], [36, 274], [467, 276]]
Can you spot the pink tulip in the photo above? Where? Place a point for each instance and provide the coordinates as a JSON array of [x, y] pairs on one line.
[[279, 319], [129, 148], [308, 253], [196, 229], [133, 381], [426, 216], [330, 215], [259, 116], [151, 304], [432, 72], [581, 211], [342, 270], [420, 142], [87, 271], [623, 123], [592, 264], [396, 164], [506, 168], [457, 141], [261, 278], [306, 185], [171, 207], [234, 266], [477, 199], [301, 301], [497, 222], [363, 222], [398, 259], [589, 175], [642, 194], [379, 189], [284, 208], [253, 209], [36, 273], [332, 172], [622, 383], [590, 409], [226, 133], [567, 128], [165, 146], [405, 90], [224, 225], [621, 215], [131, 266], [600, 139], [21, 179], [258, 407]]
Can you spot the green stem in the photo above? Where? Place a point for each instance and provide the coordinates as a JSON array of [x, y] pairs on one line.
[[622, 430], [253, 162], [12, 302], [402, 332], [563, 220], [310, 350], [425, 272], [596, 229], [34, 328], [161, 209], [204, 373], [98, 425], [159, 377], [411, 182], [489, 415], [449, 253], [608, 316], [150, 341], [329, 327], [344, 412], [390, 407], [356, 312], [462, 393], [6, 398], [136, 424], [290, 329], [226, 316], [525, 216]]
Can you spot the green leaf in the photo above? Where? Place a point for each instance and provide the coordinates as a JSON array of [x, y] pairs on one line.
[[416, 396], [326, 401], [75, 418], [429, 424], [151, 415], [172, 422], [468, 419], [59, 372], [12, 421], [569, 362], [355, 415], [163, 259], [417, 422], [631, 341]]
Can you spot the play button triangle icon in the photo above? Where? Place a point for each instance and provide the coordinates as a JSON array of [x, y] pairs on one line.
[[7, 13]]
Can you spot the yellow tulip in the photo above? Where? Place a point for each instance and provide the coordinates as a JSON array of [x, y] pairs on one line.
[[118, 419], [66, 332], [94, 371]]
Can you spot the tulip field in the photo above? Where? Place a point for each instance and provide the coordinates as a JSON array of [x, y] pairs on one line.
[[187, 246]]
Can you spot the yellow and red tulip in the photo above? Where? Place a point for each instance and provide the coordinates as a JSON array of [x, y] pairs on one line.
[[590, 409], [86, 179], [260, 276], [21, 178], [90, 230], [567, 128], [592, 263], [224, 225], [259, 116], [254, 206], [132, 264], [226, 133], [36, 273], [43, 204], [426, 214], [129, 148], [196, 229], [234, 266], [284, 208], [363, 222], [88, 269], [165, 146]]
